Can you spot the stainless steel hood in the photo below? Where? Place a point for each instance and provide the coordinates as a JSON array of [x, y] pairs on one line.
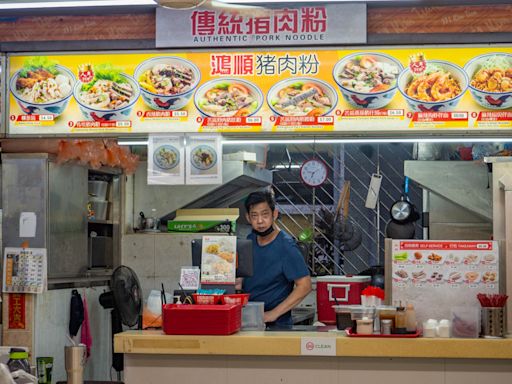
[[464, 183], [457, 197], [239, 179]]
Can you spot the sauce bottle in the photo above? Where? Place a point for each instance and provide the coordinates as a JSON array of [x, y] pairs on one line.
[[400, 320], [410, 318]]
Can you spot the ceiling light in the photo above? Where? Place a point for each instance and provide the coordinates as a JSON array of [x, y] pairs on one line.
[[72, 4], [370, 141], [226, 141]]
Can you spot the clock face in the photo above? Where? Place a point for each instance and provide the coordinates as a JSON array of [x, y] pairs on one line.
[[313, 172]]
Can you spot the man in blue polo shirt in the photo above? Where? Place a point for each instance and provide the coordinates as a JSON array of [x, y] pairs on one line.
[[280, 277]]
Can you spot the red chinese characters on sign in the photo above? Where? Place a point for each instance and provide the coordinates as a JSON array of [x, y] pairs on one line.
[[203, 23], [231, 64], [259, 25], [278, 21], [286, 20], [314, 19], [230, 24], [16, 311]]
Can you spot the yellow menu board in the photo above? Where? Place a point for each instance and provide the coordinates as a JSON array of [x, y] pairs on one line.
[[352, 90]]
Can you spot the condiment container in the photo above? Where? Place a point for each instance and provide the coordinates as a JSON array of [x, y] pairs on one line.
[[410, 318], [385, 326], [400, 321], [365, 326], [387, 312], [443, 329], [430, 328], [343, 316], [18, 359]]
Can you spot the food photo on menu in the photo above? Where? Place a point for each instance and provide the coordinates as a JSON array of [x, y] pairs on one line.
[[218, 259], [42, 86], [302, 97], [109, 96], [367, 79], [228, 98], [167, 82]]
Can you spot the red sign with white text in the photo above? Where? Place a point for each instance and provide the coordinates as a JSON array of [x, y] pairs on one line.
[[16, 311]]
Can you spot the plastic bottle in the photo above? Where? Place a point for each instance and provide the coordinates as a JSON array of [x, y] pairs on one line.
[[400, 321], [18, 359], [156, 221], [410, 318]]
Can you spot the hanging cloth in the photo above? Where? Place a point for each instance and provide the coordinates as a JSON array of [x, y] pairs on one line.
[[85, 335], [76, 313]]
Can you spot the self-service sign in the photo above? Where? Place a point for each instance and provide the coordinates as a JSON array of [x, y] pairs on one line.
[[318, 346]]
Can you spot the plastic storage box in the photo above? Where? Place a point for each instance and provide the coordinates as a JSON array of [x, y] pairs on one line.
[[184, 319], [252, 316], [346, 290], [465, 322]]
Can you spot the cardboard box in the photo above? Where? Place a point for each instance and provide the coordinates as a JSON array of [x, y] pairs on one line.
[[206, 220]]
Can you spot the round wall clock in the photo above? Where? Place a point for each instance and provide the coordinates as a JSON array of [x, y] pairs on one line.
[[313, 172]]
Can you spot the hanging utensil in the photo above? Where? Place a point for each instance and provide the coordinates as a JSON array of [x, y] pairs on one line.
[[402, 209], [351, 236]]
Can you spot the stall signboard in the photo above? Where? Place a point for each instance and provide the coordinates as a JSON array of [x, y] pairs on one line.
[[354, 91], [290, 25]]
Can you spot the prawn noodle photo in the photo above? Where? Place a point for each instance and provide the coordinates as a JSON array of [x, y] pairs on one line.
[[435, 84]]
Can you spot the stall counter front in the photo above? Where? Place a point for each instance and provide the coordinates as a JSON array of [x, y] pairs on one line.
[[276, 357]]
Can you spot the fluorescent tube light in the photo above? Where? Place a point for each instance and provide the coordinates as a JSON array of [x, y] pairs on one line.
[[73, 4], [132, 142], [348, 141], [370, 141]]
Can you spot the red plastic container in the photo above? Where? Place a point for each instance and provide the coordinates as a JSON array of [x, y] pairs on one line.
[[235, 298], [206, 299], [183, 319], [346, 289]]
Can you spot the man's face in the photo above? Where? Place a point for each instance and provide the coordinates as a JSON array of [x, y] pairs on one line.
[[261, 216]]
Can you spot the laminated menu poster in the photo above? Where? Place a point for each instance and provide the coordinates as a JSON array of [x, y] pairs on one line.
[[218, 260], [439, 275], [390, 89], [204, 159], [166, 160], [25, 270]]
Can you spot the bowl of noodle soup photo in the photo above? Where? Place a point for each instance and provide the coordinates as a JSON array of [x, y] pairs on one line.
[[438, 89], [490, 80], [228, 97], [367, 80], [302, 96], [42, 86]]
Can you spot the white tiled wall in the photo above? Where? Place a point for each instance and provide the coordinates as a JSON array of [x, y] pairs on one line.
[[157, 258], [51, 328]]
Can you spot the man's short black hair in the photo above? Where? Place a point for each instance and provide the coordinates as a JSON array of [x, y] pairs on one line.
[[260, 197]]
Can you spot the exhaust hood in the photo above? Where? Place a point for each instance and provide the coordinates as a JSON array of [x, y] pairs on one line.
[[239, 179]]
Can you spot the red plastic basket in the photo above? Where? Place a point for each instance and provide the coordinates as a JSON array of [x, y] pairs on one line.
[[206, 299], [183, 319], [235, 298]]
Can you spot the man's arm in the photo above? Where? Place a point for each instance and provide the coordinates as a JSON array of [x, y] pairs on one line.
[[300, 291]]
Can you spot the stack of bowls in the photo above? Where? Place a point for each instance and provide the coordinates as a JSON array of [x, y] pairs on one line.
[[98, 204]]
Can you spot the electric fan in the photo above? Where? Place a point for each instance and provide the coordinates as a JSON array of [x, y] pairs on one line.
[[125, 300]]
